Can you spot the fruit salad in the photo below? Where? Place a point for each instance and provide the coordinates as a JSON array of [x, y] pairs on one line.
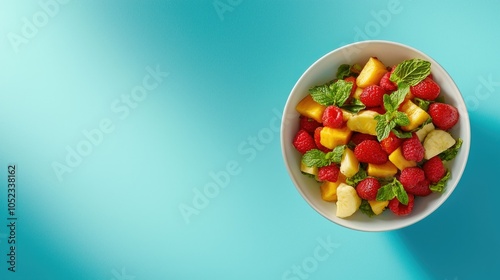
[[377, 137]]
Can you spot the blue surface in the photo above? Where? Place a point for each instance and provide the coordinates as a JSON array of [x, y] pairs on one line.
[[130, 207]]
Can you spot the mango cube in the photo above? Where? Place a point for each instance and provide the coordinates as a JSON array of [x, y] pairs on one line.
[[378, 206], [416, 115], [329, 189], [371, 74], [310, 108], [399, 160], [385, 170], [333, 137]]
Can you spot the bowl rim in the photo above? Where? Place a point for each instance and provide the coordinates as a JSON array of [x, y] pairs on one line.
[[464, 149]]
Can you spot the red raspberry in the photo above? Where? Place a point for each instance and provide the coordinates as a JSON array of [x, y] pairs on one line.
[[391, 143], [308, 124], [333, 117], [426, 89], [353, 81], [317, 137], [378, 109], [358, 137], [372, 96], [370, 151], [411, 176], [368, 188], [329, 173], [412, 149], [400, 209], [303, 141], [421, 189], [434, 169], [386, 83], [444, 116]]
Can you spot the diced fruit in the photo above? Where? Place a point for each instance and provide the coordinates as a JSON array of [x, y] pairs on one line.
[[333, 117], [333, 137], [317, 140], [400, 209], [303, 141], [421, 133], [399, 160], [436, 142], [363, 122], [426, 89], [311, 170], [357, 93], [368, 188], [416, 115], [370, 151], [434, 169], [349, 164], [391, 143], [348, 201], [411, 176], [385, 170], [310, 108], [371, 73], [308, 124], [329, 189], [329, 173], [444, 116], [372, 96], [412, 149], [346, 115], [378, 206]]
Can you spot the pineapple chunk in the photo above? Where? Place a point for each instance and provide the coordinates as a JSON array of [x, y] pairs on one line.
[[378, 206], [333, 137], [363, 122], [310, 108], [349, 164], [371, 74], [357, 92], [311, 170], [387, 169], [329, 189], [399, 160], [346, 115], [348, 201], [416, 115], [421, 133]]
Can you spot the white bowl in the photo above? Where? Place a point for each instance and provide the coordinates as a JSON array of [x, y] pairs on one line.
[[322, 71]]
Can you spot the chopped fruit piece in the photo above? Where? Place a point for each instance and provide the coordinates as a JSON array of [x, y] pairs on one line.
[[434, 169], [378, 206], [370, 151], [400, 209], [310, 108], [329, 173], [357, 93], [385, 170], [329, 189], [346, 115], [421, 133], [444, 116], [333, 117], [363, 122], [399, 160], [372, 73], [436, 142], [426, 89], [311, 170], [416, 115], [368, 188], [348, 201], [349, 164], [303, 141], [333, 137], [317, 140]]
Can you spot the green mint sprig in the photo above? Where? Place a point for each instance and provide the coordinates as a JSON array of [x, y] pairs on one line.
[[452, 152], [366, 208], [319, 158], [346, 70], [391, 190], [335, 93], [440, 186], [358, 177], [411, 72]]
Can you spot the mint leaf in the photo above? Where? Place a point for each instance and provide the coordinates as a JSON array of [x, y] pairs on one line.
[[358, 177], [401, 118], [402, 134], [400, 192], [441, 185], [316, 158], [354, 106], [411, 72], [452, 152], [366, 208], [384, 126], [423, 104], [343, 71], [392, 117], [397, 97], [391, 190], [332, 94], [386, 192], [336, 154]]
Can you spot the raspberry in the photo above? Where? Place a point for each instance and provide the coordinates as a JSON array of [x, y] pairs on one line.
[[444, 116], [358, 137], [421, 189], [378, 109], [303, 141], [353, 81], [370, 151], [426, 89], [411, 176], [368, 188], [372, 96], [317, 137], [333, 117], [391, 143], [434, 169], [386, 83], [308, 124], [400, 209], [329, 173], [412, 149]]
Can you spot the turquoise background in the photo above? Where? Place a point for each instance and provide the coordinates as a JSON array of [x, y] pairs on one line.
[[226, 68]]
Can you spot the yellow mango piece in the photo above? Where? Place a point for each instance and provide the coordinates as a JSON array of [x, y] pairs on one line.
[[329, 189], [416, 115], [312, 170], [399, 160], [371, 74], [333, 137], [363, 122], [387, 169], [357, 92], [349, 164], [378, 206], [310, 108]]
